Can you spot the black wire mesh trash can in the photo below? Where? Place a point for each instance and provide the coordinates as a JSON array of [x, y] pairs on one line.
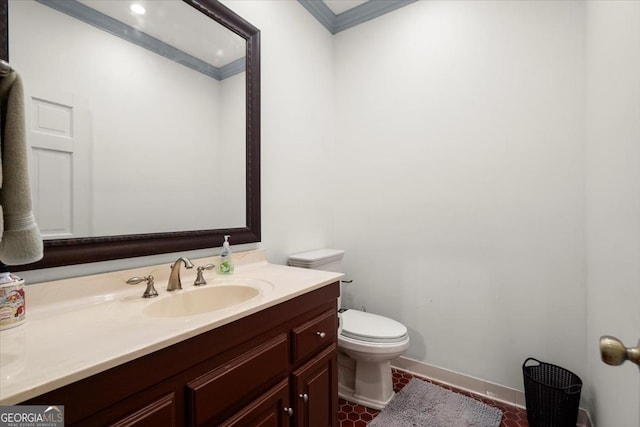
[[552, 394]]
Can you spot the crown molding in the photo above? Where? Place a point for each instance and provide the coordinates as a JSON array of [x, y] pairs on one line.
[[352, 17]]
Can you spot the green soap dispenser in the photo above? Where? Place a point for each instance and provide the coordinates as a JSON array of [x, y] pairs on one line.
[[226, 263]]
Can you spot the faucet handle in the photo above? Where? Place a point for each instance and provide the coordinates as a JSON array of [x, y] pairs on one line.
[[200, 280], [150, 291]]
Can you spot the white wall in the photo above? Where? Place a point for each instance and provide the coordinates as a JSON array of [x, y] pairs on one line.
[[459, 187], [613, 220], [297, 125]]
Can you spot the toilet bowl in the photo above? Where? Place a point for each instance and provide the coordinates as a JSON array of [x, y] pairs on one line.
[[366, 346], [367, 342]]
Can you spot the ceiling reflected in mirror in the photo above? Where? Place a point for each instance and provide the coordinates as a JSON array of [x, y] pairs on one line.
[[167, 28]]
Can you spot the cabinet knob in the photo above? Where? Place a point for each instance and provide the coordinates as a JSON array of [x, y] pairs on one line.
[[304, 397], [321, 334], [289, 411]]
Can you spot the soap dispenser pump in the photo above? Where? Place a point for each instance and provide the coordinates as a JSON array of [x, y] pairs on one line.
[[226, 263]]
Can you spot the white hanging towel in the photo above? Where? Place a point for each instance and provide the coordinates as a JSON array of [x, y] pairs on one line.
[[20, 239]]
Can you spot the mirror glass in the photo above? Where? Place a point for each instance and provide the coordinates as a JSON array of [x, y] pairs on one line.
[[142, 124]]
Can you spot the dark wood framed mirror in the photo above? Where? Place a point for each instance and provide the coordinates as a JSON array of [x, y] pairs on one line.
[[71, 251]]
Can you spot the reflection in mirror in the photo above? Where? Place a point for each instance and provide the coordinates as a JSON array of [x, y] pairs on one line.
[[136, 131], [138, 152]]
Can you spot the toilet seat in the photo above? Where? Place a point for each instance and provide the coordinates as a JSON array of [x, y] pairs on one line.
[[373, 328]]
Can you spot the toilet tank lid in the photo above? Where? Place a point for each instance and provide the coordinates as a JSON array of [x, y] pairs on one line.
[[318, 255]]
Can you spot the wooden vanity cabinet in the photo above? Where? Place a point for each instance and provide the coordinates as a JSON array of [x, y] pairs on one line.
[[276, 367]]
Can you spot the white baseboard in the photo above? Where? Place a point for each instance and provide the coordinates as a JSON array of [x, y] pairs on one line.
[[474, 385]]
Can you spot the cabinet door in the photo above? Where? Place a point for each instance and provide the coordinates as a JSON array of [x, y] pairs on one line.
[[316, 391], [269, 410], [161, 413], [232, 383]]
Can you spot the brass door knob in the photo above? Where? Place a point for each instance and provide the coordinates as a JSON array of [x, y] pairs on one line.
[[613, 352]]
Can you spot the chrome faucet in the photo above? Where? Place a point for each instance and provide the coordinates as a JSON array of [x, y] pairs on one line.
[[174, 277]]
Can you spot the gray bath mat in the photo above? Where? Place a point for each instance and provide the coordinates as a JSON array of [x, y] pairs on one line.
[[422, 404]]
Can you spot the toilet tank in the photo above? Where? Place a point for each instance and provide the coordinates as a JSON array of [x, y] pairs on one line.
[[320, 259]]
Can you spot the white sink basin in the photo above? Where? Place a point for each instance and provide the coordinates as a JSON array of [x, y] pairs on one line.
[[202, 300]]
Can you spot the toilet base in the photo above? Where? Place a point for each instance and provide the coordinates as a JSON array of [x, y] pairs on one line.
[[366, 383], [349, 394]]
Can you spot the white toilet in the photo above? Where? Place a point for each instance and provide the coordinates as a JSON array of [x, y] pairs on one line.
[[366, 342]]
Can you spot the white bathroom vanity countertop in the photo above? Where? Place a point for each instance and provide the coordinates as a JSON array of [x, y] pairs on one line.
[[78, 327]]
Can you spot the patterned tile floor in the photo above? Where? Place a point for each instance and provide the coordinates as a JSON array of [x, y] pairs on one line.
[[354, 415]]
